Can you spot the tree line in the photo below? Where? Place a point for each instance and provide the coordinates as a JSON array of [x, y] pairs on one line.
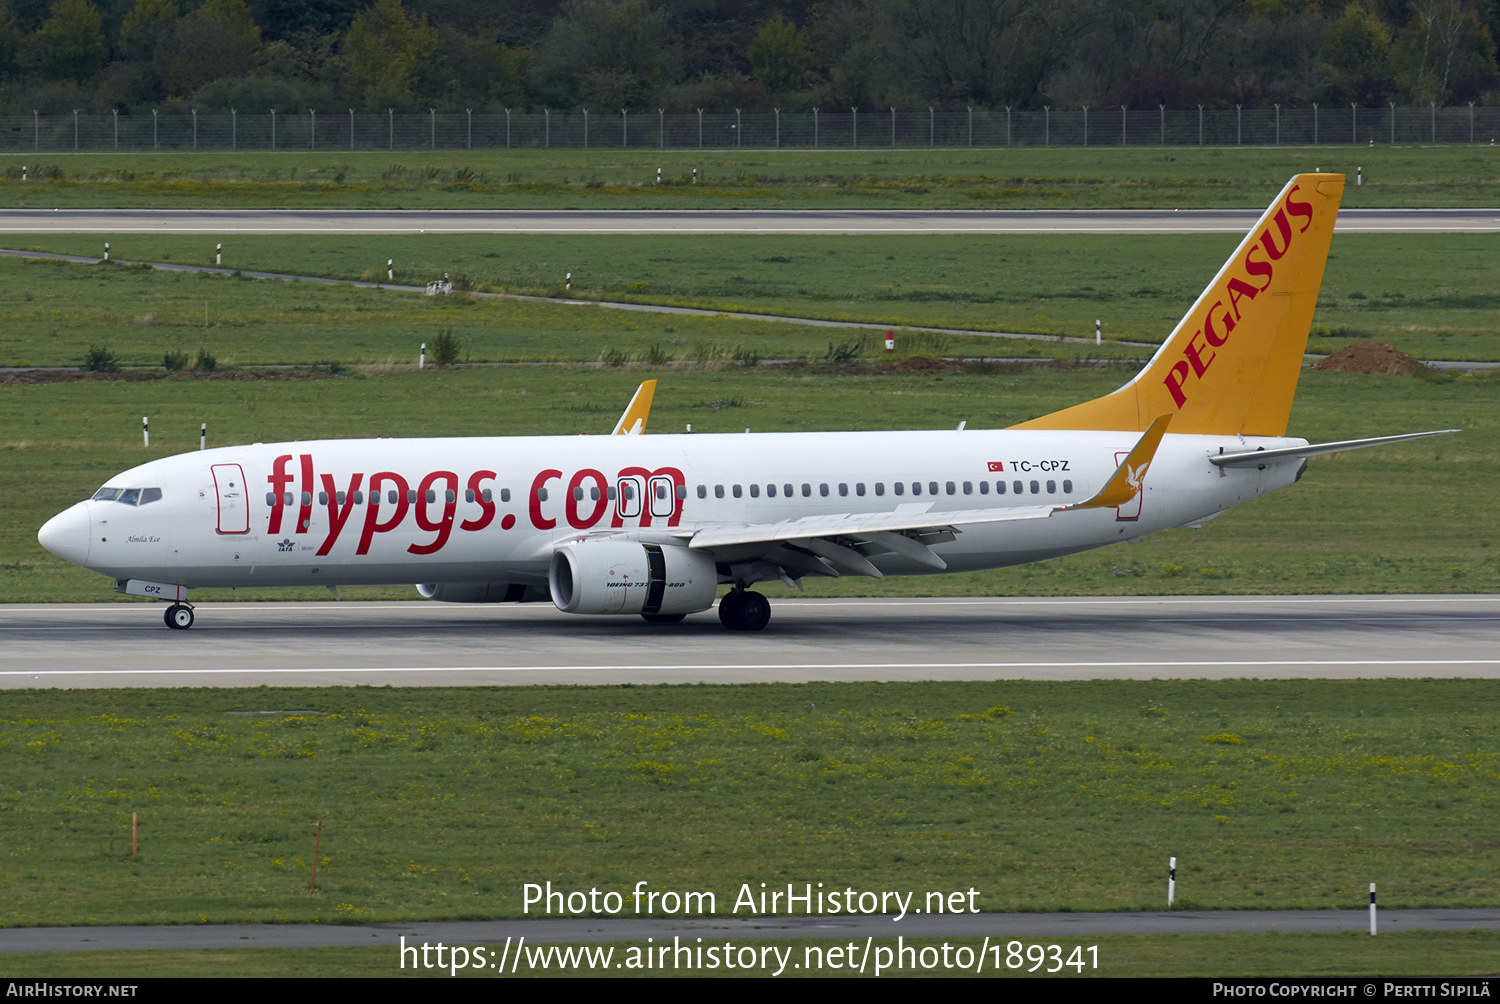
[[256, 55]]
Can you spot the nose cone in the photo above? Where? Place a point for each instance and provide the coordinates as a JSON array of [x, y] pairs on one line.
[[67, 534]]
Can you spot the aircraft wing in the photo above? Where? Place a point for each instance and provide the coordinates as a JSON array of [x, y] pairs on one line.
[[1258, 458]]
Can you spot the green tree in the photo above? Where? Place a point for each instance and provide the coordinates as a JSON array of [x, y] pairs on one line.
[[148, 42], [392, 60], [10, 46], [1442, 44], [1356, 54], [219, 39], [780, 58], [70, 43], [605, 54]]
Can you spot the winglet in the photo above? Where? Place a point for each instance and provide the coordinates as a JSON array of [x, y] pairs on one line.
[[1125, 484], [633, 421]]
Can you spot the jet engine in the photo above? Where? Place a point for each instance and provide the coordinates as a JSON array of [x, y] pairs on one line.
[[629, 577]]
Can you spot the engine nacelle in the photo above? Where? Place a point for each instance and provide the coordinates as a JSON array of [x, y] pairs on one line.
[[628, 577], [480, 592]]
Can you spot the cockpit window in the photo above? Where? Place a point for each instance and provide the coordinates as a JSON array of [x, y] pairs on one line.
[[129, 496]]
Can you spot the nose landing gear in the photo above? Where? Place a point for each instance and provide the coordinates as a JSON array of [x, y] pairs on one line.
[[179, 616]]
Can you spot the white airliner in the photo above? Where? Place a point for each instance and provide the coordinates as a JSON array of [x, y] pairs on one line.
[[654, 525]]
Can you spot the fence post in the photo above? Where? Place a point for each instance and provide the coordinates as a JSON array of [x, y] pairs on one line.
[[815, 128], [893, 125], [351, 128], [469, 135], [739, 128], [700, 126], [1393, 122], [273, 128], [234, 129], [1085, 125], [75, 130], [195, 128], [1007, 125], [1433, 106], [931, 127], [155, 136], [433, 121], [1122, 125], [971, 125], [1046, 126], [36, 135], [1315, 123], [854, 118], [117, 126], [1353, 122], [585, 128], [661, 122], [1278, 123], [1471, 125], [1200, 125], [1239, 126], [778, 127], [390, 118], [312, 129], [507, 128], [624, 128], [1162, 110], [547, 124]]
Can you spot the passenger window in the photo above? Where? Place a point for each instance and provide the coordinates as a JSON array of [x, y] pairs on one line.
[[859, 488], [999, 487], [916, 487], [450, 495], [718, 491], [270, 498], [488, 496], [681, 492], [322, 498], [1036, 489], [391, 496], [578, 494], [611, 493], [788, 490], [1051, 487], [411, 496], [806, 490], [843, 490], [968, 488], [703, 491], [951, 488], [359, 498], [286, 499], [880, 488], [504, 494], [898, 487], [737, 491], [1017, 487], [932, 488], [755, 491], [468, 495], [984, 487], [339, 498], [823, 490], [770, 491], [1067, 487]]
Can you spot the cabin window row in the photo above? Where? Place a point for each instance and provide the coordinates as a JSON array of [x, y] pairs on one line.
[[392, 497], [785, 490]]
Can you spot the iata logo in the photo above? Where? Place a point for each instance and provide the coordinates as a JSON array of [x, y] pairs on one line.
[[284, 546]]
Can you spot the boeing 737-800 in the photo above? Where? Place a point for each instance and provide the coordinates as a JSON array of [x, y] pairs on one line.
[[654, 525]]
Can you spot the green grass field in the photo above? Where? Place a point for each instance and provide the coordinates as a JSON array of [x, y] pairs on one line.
[[440, 803], [1432, 295], [604, 178]]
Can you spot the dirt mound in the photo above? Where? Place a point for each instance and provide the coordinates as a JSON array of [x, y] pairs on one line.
[[1371, 357]]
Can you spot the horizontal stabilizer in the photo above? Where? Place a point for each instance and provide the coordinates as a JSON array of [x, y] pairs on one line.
[[1259, 458]]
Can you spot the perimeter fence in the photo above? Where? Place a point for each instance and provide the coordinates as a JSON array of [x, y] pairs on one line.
[[855, 128]]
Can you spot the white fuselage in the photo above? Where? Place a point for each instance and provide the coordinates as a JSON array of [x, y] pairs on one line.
[[495, 509]]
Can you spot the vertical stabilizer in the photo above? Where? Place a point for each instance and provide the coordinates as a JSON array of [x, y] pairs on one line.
[[1231, 365]]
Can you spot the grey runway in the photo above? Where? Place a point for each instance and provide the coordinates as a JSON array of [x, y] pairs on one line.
[[429, 644], [493, 934], [747, 221]]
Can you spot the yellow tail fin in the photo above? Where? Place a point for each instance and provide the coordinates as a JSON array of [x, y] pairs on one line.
[[1231, 365]]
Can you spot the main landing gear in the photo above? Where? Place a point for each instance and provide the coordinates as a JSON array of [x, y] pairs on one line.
[[742, 610], [179, 617]]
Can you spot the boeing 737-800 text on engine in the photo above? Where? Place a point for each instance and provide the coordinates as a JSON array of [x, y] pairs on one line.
[[654, 525]]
